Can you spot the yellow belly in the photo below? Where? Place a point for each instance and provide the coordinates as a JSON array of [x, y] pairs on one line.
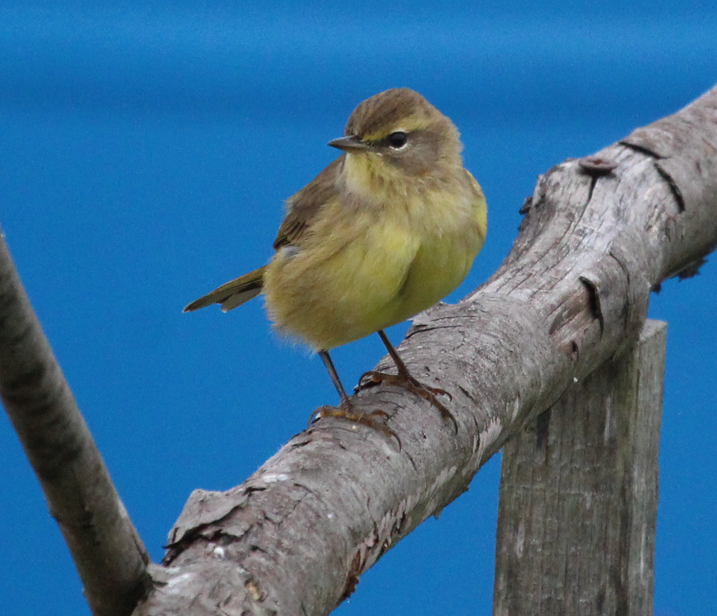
[[366, 270]]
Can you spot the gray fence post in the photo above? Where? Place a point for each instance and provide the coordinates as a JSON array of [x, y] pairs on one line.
[[578, 495]]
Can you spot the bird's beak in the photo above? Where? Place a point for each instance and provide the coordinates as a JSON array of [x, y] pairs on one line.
[[349, 144]]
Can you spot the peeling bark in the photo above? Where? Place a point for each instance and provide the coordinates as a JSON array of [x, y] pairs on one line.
[[598, 236]]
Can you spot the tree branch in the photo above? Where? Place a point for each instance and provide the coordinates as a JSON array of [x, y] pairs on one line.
[[107, 551], [599, 234]]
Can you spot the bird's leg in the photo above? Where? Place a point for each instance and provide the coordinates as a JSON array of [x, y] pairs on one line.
[[346, 410], [331, 369], [406, 380]]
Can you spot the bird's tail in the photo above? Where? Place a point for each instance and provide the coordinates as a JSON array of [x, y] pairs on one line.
[[232, 294]]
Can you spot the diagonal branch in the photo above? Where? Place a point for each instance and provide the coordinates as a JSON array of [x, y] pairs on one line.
[[107, 551], [599, 234]]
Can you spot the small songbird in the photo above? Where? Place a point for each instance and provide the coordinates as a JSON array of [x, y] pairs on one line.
[[385, 231]]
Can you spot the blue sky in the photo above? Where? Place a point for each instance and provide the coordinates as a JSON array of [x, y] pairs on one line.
[[145, 151]]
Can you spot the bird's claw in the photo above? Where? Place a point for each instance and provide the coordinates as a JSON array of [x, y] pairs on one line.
[[413, 385], [376, 419]]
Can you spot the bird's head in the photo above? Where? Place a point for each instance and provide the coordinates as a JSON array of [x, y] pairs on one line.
[[398, 133]]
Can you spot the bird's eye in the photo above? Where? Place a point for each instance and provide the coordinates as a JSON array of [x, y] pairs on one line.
[[397, 140]]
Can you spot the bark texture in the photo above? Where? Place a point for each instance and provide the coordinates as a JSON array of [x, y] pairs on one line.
[[599, 234], [105, 547]]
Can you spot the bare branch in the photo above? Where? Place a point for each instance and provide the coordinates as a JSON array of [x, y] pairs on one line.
[[599, 234], [107, 551]]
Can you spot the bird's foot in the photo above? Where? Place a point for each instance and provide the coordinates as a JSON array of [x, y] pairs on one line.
[[413, 385], [376, 419]]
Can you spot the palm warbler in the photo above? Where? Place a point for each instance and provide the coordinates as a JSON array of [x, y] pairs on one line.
[[385, 231]]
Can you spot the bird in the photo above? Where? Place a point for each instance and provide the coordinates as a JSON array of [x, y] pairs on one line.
[[385, 231]]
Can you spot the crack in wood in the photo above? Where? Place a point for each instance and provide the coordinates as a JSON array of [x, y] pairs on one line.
[[677, 193], [594, 301], [643, 149]]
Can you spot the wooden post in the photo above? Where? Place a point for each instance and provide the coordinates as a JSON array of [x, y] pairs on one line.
[[578, 495]]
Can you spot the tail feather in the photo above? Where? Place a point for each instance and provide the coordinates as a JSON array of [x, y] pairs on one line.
[[232, 294]]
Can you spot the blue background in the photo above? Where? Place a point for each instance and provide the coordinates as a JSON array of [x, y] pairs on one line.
[[145, 150]]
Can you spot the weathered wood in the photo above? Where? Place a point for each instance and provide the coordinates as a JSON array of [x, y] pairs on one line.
[[296, 536], [599, 234], [578, 495]]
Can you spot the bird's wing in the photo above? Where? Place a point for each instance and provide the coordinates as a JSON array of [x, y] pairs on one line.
[[303, 206]]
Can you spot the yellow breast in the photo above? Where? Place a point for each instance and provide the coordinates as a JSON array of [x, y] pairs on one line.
[[368, 264]]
